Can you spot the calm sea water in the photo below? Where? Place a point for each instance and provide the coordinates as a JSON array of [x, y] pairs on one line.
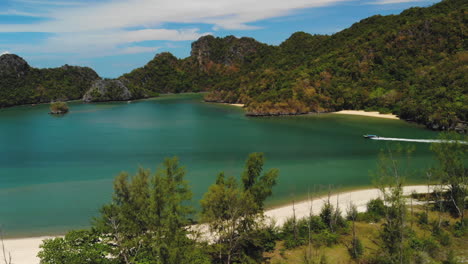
[[55, 172]]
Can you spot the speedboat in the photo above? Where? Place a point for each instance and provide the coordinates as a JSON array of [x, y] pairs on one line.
[[370, 136]]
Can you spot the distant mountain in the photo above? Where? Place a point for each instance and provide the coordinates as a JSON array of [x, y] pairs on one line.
[[413, 64]]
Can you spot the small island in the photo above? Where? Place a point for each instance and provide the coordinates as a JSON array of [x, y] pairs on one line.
[[58, 108]]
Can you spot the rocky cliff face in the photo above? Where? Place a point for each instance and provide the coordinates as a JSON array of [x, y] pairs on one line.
[[11, 64], [227, 51], [107, 90]]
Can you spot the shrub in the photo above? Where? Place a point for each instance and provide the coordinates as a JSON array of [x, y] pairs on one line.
[[376, 209], [460, 229], [325, 238], [423, 218], [356, 249], [58, 108]]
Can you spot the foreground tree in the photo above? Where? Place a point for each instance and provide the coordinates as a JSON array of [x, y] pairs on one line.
[[355, 248], [394, 232], [75, 248], [452, 172], [146, 222], [234, 213]]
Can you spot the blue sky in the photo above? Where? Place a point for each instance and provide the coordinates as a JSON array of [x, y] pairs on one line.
[[114, 37]]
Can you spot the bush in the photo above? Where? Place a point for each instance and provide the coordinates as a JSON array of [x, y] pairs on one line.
[[423, 218], [444, 239], [460, 229], [375, 209], [302, 230], [356, 249], [432, 247], [451, 259], [268, 237], [58, 108], [325, 238]]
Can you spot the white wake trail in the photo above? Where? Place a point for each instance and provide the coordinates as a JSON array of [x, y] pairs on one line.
[[419, 140]]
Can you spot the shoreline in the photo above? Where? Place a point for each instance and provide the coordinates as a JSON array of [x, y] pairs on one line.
[[24, 250], [359, 198], [237, 105], [364, 113]]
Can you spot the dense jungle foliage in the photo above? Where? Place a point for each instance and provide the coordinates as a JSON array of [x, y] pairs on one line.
[[22, 84], [413, 64]]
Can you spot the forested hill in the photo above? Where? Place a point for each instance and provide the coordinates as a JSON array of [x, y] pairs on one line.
[[413, 64], [22, 84]]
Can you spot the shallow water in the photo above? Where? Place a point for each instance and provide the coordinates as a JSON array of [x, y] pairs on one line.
[[55, 172]]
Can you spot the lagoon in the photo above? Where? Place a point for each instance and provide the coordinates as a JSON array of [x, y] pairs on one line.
[[56, 172]]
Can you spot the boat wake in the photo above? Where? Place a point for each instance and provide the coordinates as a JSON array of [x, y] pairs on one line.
[[418, 140]]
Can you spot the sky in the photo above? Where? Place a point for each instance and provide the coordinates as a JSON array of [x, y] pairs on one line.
[[116, 36]]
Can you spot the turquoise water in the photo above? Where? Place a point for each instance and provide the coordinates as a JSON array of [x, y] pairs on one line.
[[55, 172]]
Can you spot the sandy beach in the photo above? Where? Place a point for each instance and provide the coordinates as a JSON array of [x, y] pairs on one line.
[[364, 113], [359, 198], [24, 250], [238, 105]]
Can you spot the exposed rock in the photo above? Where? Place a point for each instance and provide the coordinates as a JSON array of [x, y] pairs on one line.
[[11, 64], [58, 108], [107, 90], [227, 51]]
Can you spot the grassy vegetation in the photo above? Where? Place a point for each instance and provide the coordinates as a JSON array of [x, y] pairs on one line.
[[369, 235], [59, 108]]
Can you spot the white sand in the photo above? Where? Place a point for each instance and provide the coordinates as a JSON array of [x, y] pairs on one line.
[[238, 105], [24, 250], [359, 198], [364, 113]]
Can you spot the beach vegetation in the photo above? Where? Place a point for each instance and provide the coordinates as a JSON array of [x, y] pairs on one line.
[[234, 212], [151, 220]]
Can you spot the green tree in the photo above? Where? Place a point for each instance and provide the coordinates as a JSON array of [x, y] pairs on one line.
[[146, 222], [394, 232], [356, 249], [76, 247], [234, 213], [254, 183], [452, 154]]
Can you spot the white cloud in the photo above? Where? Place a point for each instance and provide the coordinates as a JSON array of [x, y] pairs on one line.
[[120, 14], [103, 27], [103, 43], [5, 52], [13, 12]]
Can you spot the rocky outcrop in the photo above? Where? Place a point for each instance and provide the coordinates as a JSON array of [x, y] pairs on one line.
[[58, 108], [107, 90], [11, 64], [227, 51]]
